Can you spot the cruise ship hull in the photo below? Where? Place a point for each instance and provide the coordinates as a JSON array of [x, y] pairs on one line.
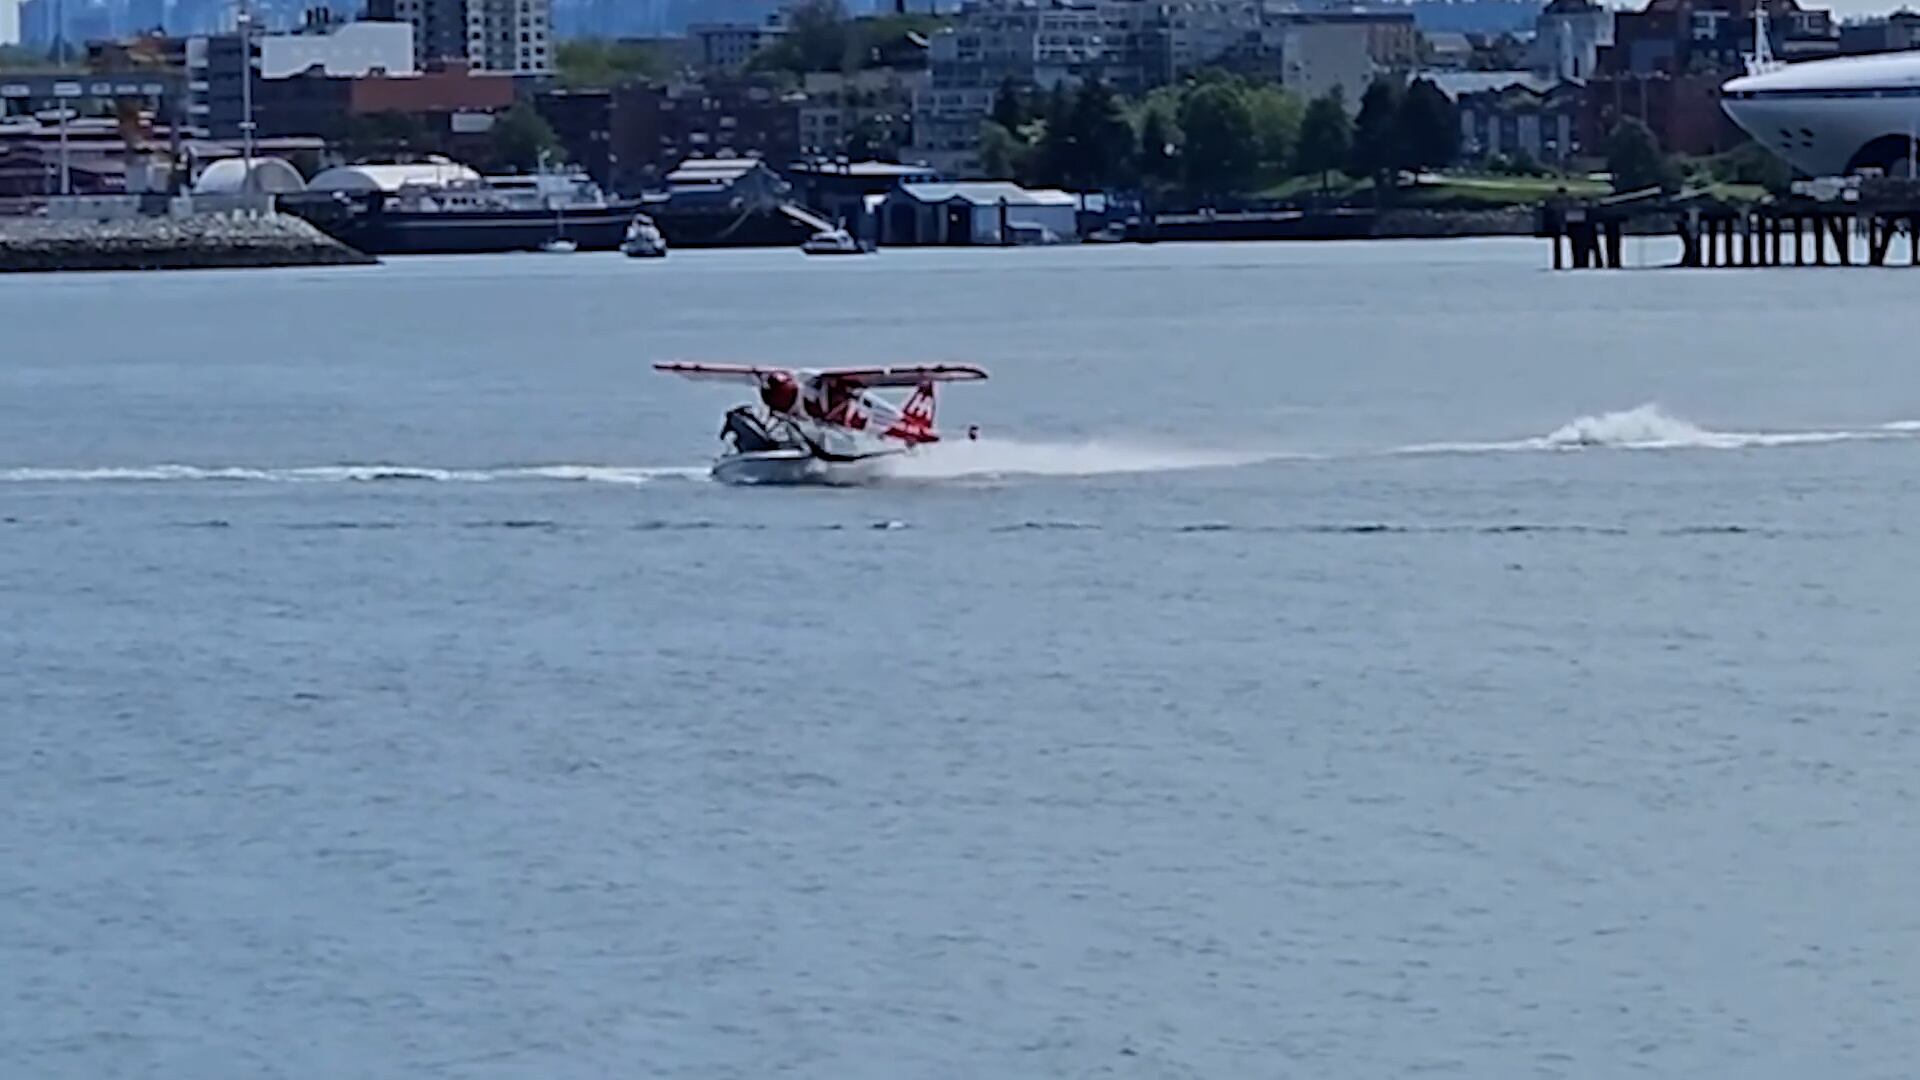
[[1832, 117]]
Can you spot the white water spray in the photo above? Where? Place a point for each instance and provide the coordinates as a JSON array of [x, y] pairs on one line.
[[987, 458], [1646, 427], [1649, 427]]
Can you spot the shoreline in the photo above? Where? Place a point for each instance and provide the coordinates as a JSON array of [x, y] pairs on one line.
[[250, 241]]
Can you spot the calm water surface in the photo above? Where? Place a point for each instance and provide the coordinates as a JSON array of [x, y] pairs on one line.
[[1341, 661]]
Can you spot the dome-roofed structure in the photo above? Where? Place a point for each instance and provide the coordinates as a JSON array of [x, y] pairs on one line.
[[232, 176], [391, 178]]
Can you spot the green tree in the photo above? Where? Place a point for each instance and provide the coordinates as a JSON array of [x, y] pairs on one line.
[[872, 35], [1009, 106], [1751, 163], [386, 135], [1325, 136], [1219, 155], [1002, 153], [871, 140], [1158, 159], [1635, 160], [1056, 156], [1276, 126], [22, 59], [521, 136], [1518, 163], [1102, 140], [1375, 148], [1428, 127], [818, 38], [598, 64]]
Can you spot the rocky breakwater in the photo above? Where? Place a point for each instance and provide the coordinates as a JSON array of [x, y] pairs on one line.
[[201, 241]]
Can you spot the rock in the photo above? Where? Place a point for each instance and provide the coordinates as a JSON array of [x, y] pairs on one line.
[[165, 243]]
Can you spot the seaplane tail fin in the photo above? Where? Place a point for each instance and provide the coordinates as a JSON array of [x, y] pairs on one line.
[[915, 420]]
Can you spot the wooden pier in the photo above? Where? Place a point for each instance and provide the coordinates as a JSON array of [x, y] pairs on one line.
[[1876, 225]]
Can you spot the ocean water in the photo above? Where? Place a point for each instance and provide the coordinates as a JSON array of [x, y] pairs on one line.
[[1357, 660]]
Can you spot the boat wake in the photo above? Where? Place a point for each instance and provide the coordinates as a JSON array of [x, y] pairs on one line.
[[1648, 427], [991, 458], [338, 474]]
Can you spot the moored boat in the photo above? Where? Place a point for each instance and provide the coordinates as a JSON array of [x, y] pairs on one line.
[[441, 207], [644, 239], [835, 241]]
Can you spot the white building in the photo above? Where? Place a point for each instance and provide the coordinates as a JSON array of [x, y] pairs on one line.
[[1568, 37], [510, 35], [489, 35], [9, 22], [1318, 57], [946, 127], [1182, 36], [979, 212], [353, 49], [1040, 44], [728, 46], [1034, 43]]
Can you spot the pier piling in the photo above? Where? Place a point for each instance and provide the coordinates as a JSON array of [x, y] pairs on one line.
[[1862, 229]]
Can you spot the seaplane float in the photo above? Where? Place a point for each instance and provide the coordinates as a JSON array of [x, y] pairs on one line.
[[824, 426]]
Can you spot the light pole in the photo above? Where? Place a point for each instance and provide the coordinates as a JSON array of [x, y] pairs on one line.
[[64, 95], [60, 60], [246, 95]]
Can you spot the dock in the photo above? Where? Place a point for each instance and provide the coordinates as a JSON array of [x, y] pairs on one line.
[[1852, 222]]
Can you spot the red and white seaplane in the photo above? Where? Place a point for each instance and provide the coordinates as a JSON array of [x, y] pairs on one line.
[[824, 426]]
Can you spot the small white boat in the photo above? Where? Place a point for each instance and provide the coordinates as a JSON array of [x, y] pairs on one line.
[[560, 247], [832, 242], [1028, 234], [644, 239]]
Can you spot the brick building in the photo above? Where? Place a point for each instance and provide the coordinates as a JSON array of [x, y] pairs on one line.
[[654, 128]]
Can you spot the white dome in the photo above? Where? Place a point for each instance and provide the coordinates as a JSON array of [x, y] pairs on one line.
[[390, 177], [229, 176]]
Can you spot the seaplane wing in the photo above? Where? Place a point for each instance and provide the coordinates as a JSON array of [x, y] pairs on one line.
[[744, 373], [905, 375], [902, 375]]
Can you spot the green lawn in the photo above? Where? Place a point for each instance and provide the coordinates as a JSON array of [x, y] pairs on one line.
[[1507, 190], [1295, 187], [1737, 192], [1474, 190], [1450, 189]]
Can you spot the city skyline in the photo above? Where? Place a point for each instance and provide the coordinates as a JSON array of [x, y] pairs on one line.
[[670, 16]]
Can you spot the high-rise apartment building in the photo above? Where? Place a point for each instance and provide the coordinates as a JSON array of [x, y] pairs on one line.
[[513, 36]]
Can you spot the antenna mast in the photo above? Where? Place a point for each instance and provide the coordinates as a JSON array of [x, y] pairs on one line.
[[1762, 60]]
